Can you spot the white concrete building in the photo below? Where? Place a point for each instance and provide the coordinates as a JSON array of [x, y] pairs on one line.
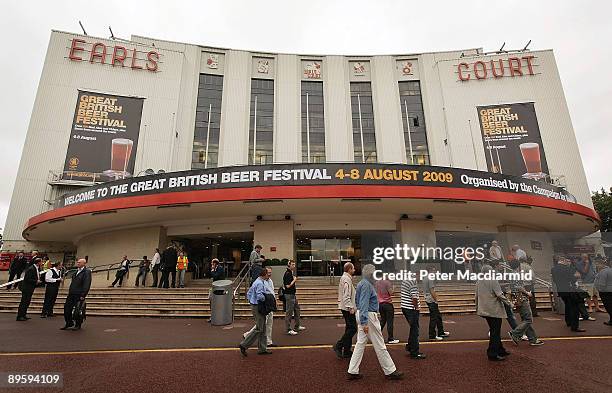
[[208, 109]]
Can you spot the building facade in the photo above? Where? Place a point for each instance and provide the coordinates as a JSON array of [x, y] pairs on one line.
[[134, 144]]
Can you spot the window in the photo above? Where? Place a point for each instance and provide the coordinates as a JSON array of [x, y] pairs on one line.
[[261, 124], [313, 123], [413, 120], [364, 135], [205, 152]]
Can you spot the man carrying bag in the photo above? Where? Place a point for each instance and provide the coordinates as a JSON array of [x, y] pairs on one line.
[[75, 301]]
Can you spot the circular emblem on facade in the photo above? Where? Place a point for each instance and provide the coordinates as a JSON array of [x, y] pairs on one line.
[[73, 163]]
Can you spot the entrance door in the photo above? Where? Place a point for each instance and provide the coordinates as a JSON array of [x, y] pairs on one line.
[[318, 256]]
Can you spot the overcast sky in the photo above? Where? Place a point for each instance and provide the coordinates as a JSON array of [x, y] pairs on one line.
[[579, 32]]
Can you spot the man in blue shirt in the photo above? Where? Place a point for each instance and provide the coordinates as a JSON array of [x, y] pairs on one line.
[[255, 295], [369, 327]]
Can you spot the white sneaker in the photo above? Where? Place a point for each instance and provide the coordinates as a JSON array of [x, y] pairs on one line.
[[292, 332], [302, 328], [245, 334], [437, 338], [394, 341], [592, 319], [525, 338], [445, 334]]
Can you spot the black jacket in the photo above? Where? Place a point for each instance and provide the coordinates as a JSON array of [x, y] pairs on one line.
[[30, 279], [80, 283], [267, 306], [563, 277], [218, 273], [168, 259], [18, 265]]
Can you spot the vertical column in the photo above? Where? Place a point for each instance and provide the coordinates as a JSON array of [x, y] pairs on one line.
[[234, 138], [387, 115], [287, 129], [337, 101]]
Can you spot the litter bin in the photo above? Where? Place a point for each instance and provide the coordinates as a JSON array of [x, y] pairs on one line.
[[221, 303]]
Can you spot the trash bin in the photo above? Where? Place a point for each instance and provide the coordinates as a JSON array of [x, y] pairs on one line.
[[221, 303]]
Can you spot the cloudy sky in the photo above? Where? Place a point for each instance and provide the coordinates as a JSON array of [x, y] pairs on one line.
[[579, 32]]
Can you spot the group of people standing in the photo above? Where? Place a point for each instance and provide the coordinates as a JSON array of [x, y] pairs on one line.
[[172, 264], [36, 274]]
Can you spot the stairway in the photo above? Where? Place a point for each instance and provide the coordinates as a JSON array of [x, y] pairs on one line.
[[317, 297]]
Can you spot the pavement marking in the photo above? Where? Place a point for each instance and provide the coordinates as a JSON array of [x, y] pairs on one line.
[[110, 330], [318, 346]]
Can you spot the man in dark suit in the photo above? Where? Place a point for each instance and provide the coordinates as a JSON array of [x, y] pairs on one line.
[[30, 280], [79, 288], [168, 263], [16, 268]]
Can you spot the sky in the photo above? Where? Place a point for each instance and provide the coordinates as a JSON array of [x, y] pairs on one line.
[[576, 31]]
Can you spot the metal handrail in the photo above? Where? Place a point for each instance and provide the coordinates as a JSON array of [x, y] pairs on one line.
[[246, 265], [246, 274]]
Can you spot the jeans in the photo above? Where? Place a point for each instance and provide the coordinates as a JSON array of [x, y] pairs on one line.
[[119, 278], [154, 274], [510, 316], [350, 329], [181, 277], [142, 273], [412, 316], [525, 327], [293, 310], [532, 300], [496, 347], [259, 333], [435, 320], [386, 318]]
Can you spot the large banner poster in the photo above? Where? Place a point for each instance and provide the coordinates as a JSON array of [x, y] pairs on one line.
[[512, 141], [104, 137]]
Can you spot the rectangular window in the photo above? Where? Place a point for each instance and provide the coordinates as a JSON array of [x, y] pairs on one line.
[[207, 123], [413, 120], [261, 124], [313, 123], [364, 135]]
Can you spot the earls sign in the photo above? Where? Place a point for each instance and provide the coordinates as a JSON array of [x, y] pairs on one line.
[[116, 56], [496, 68]]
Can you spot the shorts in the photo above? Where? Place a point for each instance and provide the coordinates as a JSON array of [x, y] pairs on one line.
[[590, 289]]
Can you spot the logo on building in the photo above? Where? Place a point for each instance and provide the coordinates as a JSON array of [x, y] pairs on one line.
[[312, 70], [407, 68], [73, 163], [263, 66], [359, 68], [213, 61]]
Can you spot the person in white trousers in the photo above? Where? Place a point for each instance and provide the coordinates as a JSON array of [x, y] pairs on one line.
[[269, 318], [369, 327]]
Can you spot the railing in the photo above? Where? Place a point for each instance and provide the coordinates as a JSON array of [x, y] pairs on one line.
[[537, 280]]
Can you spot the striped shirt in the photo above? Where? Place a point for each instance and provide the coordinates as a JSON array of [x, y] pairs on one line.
[[409, 290]]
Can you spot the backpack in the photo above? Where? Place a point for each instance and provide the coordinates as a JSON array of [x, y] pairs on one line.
[[281, 294]]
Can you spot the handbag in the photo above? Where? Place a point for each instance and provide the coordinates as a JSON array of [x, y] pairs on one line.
[[281, 294]]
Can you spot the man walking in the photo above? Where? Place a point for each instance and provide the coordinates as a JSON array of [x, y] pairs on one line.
[[291, 302], [53, 277], [489, 305], [256, 261], [603, 283], [384, 291], [255, 295], [16, 268], [269, 318], [369, 327], [346, 304], [431, 298], [31, 279], [79, 288], [565, 281], [521, 296], [409, 300]]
